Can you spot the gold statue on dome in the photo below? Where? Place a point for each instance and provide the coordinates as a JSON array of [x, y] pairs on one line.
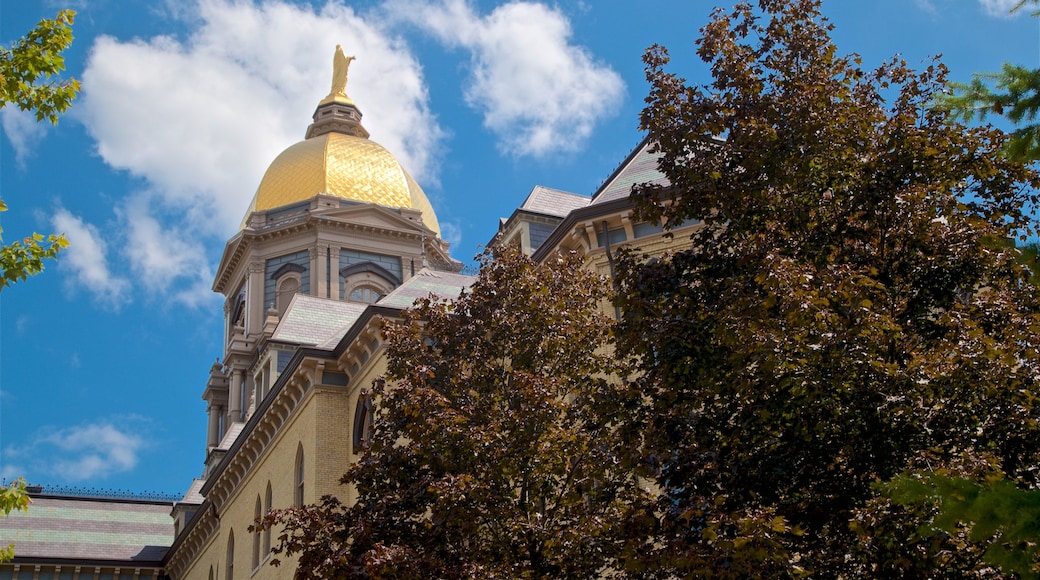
[[340, 64]]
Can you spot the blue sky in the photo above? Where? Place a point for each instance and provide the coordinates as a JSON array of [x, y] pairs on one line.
[[104, 356]]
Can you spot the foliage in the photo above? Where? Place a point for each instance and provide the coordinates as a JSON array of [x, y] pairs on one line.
[[12, 497], [492, 454], [1014, 93], [848, 311], [26, 69], [995, 509], [35, 56], [20, 260]]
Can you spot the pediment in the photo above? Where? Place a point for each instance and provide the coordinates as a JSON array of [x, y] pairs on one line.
[[375, 216]]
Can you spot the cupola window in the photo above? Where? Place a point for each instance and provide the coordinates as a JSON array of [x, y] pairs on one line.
[[366, 294]]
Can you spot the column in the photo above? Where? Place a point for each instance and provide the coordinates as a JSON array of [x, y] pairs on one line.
[[319, 271], [335, 284], [213, 430], [235, 410], [255, 307]]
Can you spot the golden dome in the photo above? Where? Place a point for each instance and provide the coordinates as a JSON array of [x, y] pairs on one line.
[[346, 166]]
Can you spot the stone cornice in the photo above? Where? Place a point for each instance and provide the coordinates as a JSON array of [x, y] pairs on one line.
[[397, 226], [197, 533], [289, 390]]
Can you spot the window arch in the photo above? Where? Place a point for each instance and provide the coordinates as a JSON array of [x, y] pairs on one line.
[[365, 293], [230, 573], [368, 281], [288, 286], [256, 534], [363, 421], [267, 531], [298, 479]]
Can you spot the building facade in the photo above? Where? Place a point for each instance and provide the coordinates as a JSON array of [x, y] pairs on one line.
[[337, 240]]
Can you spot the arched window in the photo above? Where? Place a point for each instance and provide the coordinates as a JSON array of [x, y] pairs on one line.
[[230, 573], [298, 480], [363, 421], [256, 535], [267, 531], [366, 294], [288, 287], [211, 573]]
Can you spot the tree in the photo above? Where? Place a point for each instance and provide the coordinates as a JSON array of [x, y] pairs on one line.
[[493, 453], [994, 509], [13, 497], [1014, 93], [27, 79], [849, 310], [25, 72]]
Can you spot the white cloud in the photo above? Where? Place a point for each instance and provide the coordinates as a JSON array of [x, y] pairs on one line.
[[538, 93], [201, 119], [1000, 8], [163, 258], [90, 451], [86, 259], [451, 233], [22, 130], [927, 6]]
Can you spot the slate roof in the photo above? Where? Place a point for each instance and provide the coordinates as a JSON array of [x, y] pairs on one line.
[[553, 202], [232, 433], [194, 493], [425, 283], [93, 529], [640, 167], [313, 321]]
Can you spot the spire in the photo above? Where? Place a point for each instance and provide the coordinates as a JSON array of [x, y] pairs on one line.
[[337, 113]]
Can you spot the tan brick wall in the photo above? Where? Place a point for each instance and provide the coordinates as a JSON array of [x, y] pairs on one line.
[[323, 424], [277, 466]]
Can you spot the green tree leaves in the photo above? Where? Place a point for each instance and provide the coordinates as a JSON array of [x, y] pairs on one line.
[[19, 260], [995, 512], [27, 71], [12, 498], [1013, 93]]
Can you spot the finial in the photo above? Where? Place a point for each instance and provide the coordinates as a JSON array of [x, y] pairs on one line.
[[340, 66]]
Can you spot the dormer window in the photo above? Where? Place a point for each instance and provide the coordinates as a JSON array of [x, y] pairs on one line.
[[367, 282], [366, 294], [287, 287]]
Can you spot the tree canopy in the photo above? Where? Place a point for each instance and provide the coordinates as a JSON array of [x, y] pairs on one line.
[[28, 79], [850, 309], [851, 335], [491, 454]]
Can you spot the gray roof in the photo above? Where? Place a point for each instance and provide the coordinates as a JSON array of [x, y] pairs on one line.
[[67, 528], [553, 202], [232, 433], [425, 283], [312, 321], [639, 168], [194, 493]]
